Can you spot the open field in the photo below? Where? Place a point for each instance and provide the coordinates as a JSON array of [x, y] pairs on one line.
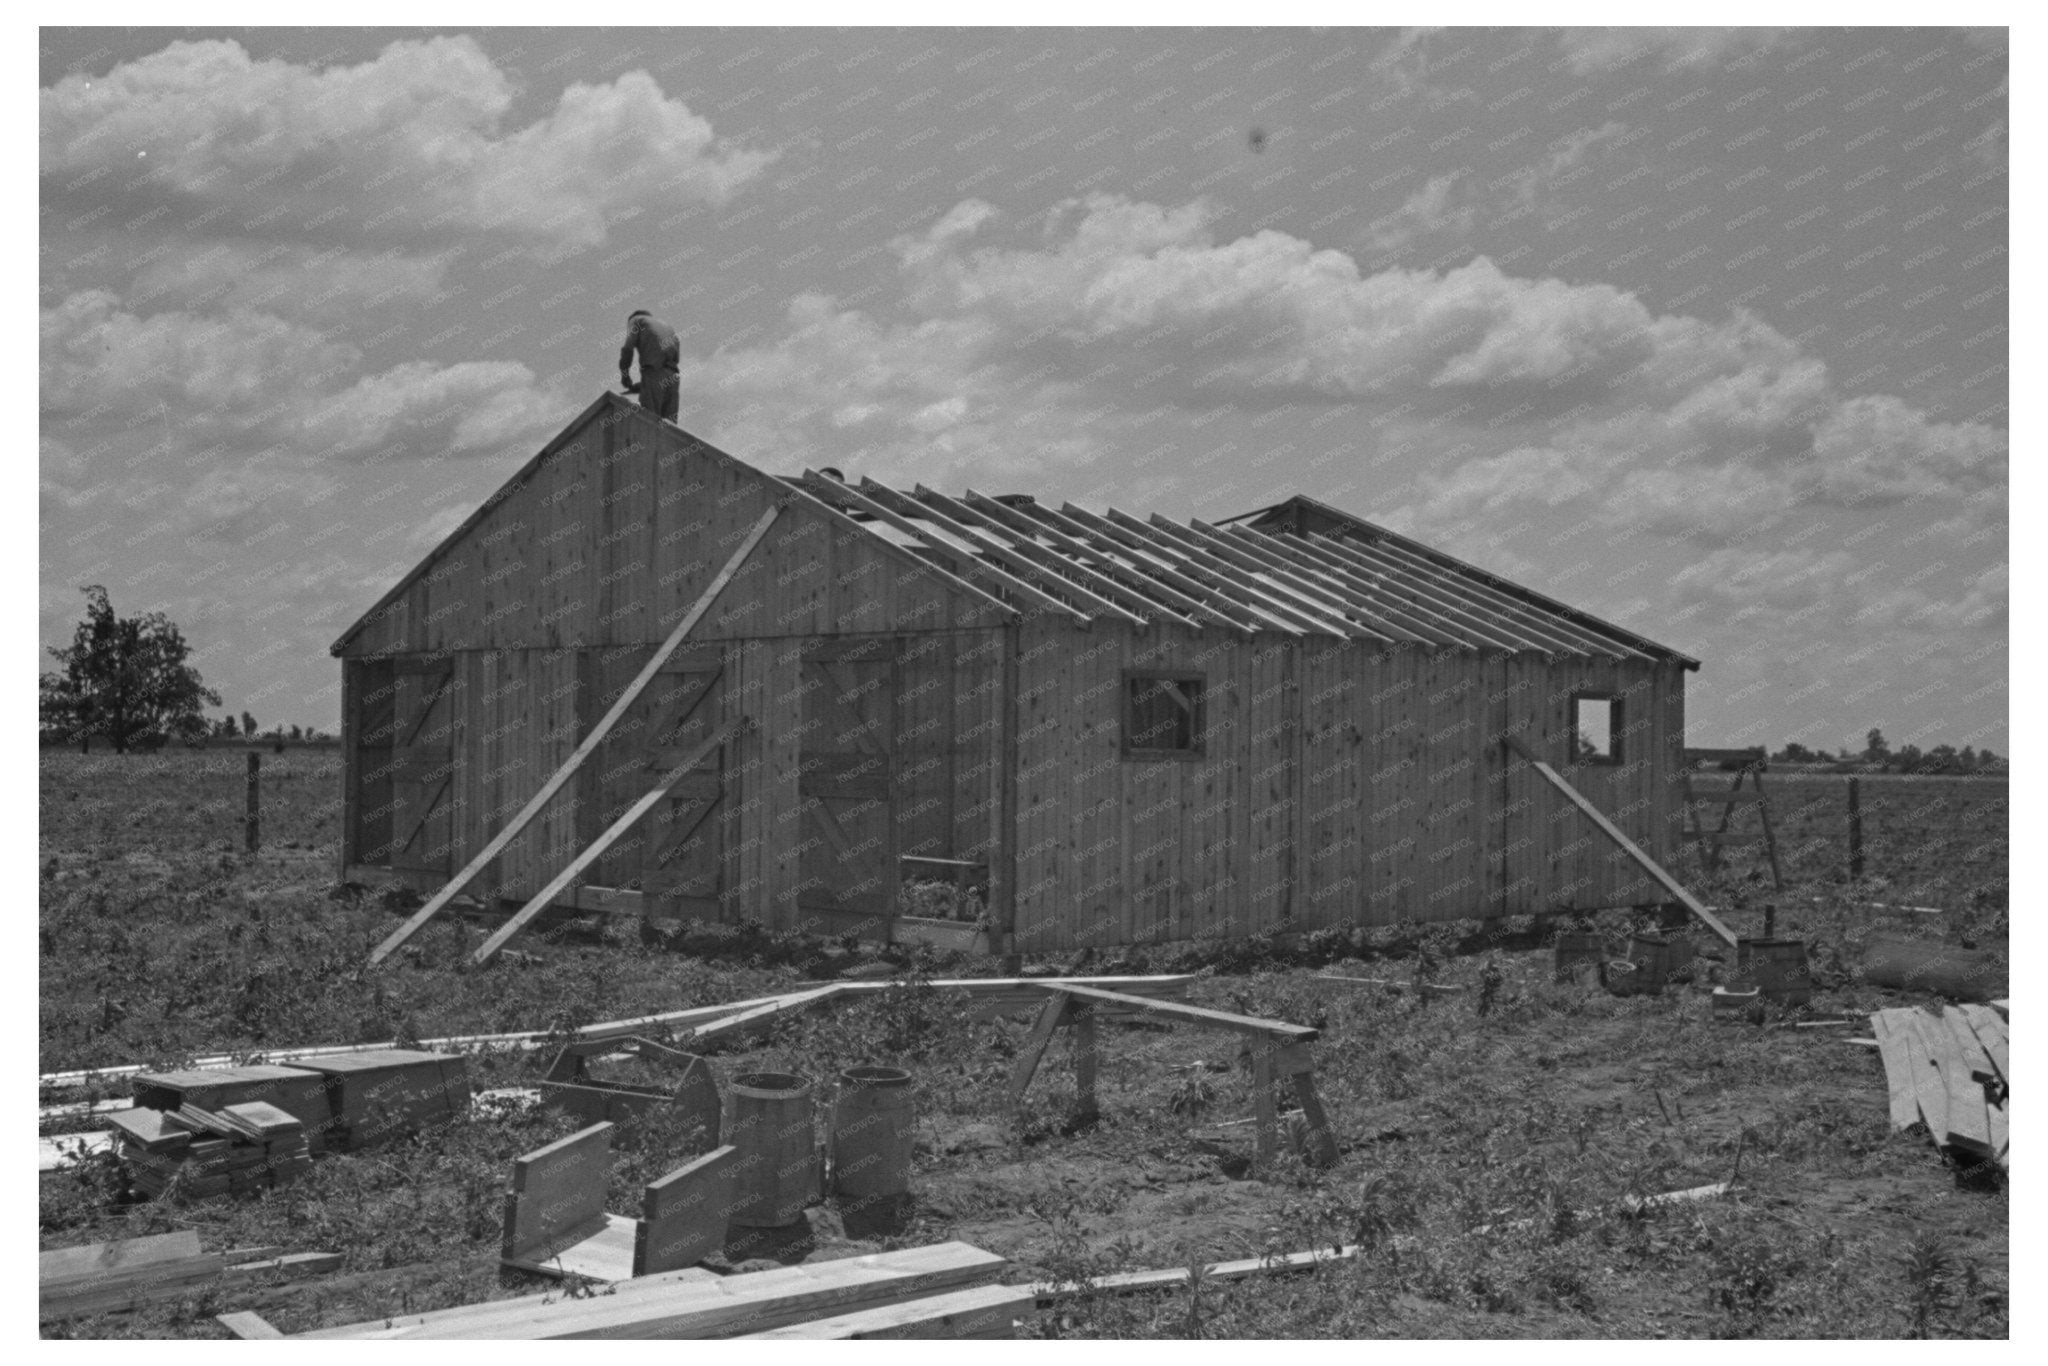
[[1490, 1135]]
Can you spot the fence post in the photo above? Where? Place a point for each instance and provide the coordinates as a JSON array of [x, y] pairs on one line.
[[250, 820], [1855, 832]]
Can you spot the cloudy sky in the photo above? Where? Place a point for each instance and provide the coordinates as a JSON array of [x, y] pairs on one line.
[[1702, 330]]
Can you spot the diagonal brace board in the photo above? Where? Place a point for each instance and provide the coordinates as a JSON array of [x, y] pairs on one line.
[[1627, 846], [589, 746], [582, 861]]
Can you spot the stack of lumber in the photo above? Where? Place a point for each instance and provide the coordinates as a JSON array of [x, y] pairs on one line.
[[1950, 1073], [379, 1096], [102, 1278], [690, 1304], [300, 1093], [247, 1147]]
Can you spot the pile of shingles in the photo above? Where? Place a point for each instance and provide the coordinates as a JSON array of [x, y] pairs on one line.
[[197, 1153], [1950, 1073]]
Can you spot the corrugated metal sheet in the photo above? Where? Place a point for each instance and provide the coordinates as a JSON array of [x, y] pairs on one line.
[[1297, 569]]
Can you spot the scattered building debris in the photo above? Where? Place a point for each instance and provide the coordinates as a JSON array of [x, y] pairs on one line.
[[1949, 1073]]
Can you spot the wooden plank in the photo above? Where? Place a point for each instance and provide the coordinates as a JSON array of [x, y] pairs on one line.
[[590, 742], [1127, 1282], [557, 1195], [682, 1304], [56, 1152], [1021, 989], [291, 1264], [1322, 1142], [606, 1254], [547, 894], [750, 1021], [1082, 1038], [65, 1267], [1265, 1114], [1930, 1096], [1898, 1069], [1627, 846], [980, 1312], [247, 1325], [1176, 1010], [683, 1214], [1991, 1034], [1967, 1125], [1026, 1066]]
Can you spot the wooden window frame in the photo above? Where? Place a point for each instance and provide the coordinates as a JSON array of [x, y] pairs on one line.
[[1199, 750], [1617, 721]]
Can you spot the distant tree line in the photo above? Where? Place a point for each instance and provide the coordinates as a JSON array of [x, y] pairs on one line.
[[126, 681], [1877, 756]]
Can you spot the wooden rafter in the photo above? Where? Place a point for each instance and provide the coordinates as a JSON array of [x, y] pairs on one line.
[[1154, 560], [1104, 595], [1076, 540]]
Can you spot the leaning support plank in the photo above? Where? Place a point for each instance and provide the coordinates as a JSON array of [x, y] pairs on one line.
[[748, 1022], [682, 1215], [560, 882], [540, 799], [1627, 846], [1026, 1066]]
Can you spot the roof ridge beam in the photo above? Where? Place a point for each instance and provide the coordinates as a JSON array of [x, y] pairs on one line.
[[1140, 580], [976, 530], [1147, 555], [1422, 599]]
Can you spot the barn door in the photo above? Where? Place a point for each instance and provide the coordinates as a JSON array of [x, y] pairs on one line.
[[847, 785], [370, 718], [676, 856], [422, 763]]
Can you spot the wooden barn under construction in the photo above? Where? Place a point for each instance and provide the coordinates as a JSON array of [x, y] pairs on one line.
[[1117, 729]]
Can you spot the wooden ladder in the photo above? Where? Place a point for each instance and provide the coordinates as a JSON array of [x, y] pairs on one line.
[[1711, 843]]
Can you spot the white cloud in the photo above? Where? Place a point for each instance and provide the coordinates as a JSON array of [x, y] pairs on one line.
[[1590, 50], [406, 148]]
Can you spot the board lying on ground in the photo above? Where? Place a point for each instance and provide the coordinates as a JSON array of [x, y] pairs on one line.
[[107, 1278], [683, 1304], [990, 995], [1131, 1282], [987, 1311], [1950, 1074]]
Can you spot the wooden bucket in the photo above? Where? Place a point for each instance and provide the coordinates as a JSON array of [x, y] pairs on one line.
[[874, 1122], [1578, 952], [769, 1121], [1732, 1007], [1653, 957], [1776, 968]]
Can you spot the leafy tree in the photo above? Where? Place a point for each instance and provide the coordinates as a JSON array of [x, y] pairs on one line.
[[1796, 753], [1910, 759], [295, 730], [1874, 747], [248, 726], [1966, 762], [124, 678], [1942, 759]]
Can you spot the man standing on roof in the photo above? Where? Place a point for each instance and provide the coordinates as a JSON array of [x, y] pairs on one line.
[[654, 341]]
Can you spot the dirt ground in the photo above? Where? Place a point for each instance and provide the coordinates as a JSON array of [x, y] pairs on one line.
[[1492, 1135]]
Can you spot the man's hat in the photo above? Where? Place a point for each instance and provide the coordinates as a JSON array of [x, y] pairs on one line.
[[638, 313]]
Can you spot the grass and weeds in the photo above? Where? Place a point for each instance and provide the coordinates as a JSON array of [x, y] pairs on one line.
[[1492, 1136]]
